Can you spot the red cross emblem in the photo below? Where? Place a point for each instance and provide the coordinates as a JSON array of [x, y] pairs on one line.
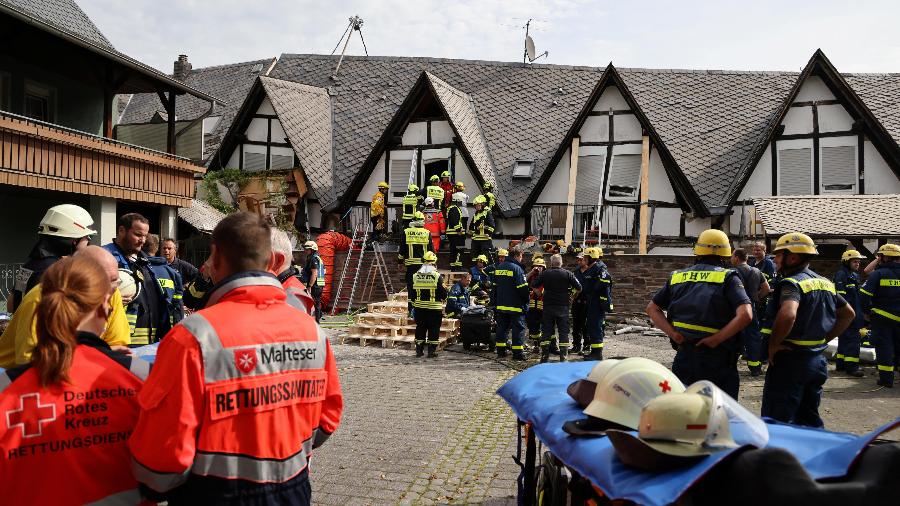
[[245, 360], [664, 386], [31, 415]]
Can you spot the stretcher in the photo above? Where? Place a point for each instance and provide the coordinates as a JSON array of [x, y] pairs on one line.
[[538, 398]]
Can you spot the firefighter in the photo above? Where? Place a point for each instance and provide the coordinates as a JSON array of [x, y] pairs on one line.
[[706, 308], [597, 286], [579, 308], [557, 285], [428, 298], [802, 316], [459, 299], [535, 314], [448, 188], [434, 190], [378, 212], [490, 200], [463, 199], [511, 303], [415, 242], [482, 229], [847, 284], [313, 275], [881, 298], [46, 432], [434, 222], [481, 281], [410, 205], [456, 230], [242, 391]]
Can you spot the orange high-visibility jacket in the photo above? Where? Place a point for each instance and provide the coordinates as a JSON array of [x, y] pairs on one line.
[[298, 296], [68, 443], [240, 390]]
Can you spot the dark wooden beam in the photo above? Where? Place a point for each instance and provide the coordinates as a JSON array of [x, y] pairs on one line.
[[171, 142], [861, 163], [425, 146], [428, 132], [263, 143], [265, 116], [608, 161], [812, 103], [820, 135], [611, 112], [774, 168], [269, 144], [607, 143], [816, 161], [108, 94]]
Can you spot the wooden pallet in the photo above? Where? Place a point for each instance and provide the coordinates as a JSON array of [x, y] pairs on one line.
[[388, 306], [382, 319], [399, 297]]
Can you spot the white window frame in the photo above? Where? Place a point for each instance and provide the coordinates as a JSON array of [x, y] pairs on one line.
[[621, 198], [838, 142], [801, 144]]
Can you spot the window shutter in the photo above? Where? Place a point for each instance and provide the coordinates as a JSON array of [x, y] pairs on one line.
[[795, 171], [282, 162], [624, 176], [399, 176], [589, 180], [254, 161], [839, 168]]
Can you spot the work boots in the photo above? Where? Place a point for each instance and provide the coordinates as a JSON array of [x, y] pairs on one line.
[[501, 352], [432, 351], [595, 354], [420, 350], [563, 355], [545, 353]]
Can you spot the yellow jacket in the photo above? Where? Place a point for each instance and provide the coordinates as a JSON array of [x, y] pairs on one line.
[[20, 336]]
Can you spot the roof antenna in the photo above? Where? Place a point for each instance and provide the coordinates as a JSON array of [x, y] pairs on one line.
[[529, 55], [355, 25]]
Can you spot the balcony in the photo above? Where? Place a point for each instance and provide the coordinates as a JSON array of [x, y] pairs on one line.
[[39, 155]]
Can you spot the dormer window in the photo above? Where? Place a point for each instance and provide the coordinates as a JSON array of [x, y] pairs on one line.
[[522, 169]]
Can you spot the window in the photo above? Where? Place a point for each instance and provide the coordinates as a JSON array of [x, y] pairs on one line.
[[522, 169], [589, 180], [624, 176], [838, 166], [280, 162], [398, 176], [39, 102], [254, 161], [795, 171]]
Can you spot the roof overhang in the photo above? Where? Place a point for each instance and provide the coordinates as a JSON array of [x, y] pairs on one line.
[[838, 216]]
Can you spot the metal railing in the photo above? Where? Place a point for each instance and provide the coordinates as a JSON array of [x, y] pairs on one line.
[[7, 281], [616, 221], [358, 218]]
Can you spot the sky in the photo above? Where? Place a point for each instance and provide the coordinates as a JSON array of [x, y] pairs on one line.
[[859, 36]]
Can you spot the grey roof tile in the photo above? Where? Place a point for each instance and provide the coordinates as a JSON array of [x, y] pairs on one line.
[[201, 215], [840, 216], [63, 15], [881, 94]]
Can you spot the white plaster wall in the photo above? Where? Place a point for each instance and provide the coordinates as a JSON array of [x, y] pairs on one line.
[[441, 133], [660, 186], [234, 160], [814, 89], [694, 226], [760, 182], [377, 176], [798, 120], [314, 214], [834, 118], [666, 222], [258, 130], [626, 127], [611, 97], [595, 129], [415, 134], [265, 107], [430, 155], [278, 133], [880, 179], [556, 191]]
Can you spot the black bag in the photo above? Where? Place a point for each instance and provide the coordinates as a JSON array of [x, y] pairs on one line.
[[475, 327]]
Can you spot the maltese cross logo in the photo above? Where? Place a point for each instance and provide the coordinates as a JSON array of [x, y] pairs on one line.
[[245, 360]]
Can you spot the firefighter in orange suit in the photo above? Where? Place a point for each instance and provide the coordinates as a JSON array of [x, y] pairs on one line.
[[66, 422], [242, 391]]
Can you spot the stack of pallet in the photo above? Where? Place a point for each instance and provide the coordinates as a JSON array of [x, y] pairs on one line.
[[387, 323]]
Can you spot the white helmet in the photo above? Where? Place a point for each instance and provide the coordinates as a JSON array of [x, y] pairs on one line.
[[583, 390], [67, 220], [429, 201], [458, 197], [129, 286], [311, 245], [627, 387]]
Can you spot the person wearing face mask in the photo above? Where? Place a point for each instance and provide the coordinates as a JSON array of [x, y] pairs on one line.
[[71, 410]]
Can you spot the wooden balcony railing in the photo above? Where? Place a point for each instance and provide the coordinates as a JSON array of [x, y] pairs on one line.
[[34, 154]]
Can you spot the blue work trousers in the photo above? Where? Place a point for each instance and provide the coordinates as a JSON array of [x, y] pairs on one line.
[[596, 312], [793, 388], [753, 344], [847, 356], [507, 322], [885, 337], [718, 365]]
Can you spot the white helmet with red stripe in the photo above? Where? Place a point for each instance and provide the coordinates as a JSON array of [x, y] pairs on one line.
[[67, 220]]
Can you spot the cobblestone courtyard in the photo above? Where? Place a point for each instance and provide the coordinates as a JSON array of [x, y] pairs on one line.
[[432, 431]]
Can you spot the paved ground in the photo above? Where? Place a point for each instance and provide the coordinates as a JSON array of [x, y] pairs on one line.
[[432, 431]]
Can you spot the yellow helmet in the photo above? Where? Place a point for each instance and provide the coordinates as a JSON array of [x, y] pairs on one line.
[[795, 242], [434, 178], [412, 188], [850, 254], [593, 253], [429, 257], [481, 258], [383, 185], [713, 242], [418, 216], [460, 185], [479, 200], [502, 253], [889, 250], [538, 262], [446, 173]]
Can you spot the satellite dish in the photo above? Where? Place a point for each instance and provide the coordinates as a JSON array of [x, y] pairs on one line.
[[529, 47]]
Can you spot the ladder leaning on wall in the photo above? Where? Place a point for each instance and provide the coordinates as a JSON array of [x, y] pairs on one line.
[[352, 270]]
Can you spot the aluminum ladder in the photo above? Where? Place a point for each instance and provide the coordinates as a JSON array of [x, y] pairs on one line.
[[378, 268], [358, 246]]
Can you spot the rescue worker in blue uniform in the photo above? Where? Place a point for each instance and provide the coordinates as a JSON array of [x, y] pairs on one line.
[[881, 299], [511, 303], [428, 295], [706, 309], [459, 300], [804, 313], [579, 308], [535, 315], [597, 289], [313, 275], [416, 240], [847, 284], [481, 281]]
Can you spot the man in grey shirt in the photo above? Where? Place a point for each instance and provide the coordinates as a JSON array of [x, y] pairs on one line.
[[757, 288], [560, 286]]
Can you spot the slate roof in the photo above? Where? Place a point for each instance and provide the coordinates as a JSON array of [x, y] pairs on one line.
[[201, 216], [231, 83], [63, 15], [881, 94], [305, 114], [839, 216]]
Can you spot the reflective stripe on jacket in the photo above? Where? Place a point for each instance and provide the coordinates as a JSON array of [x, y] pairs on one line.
[[428, 290], [881, 293], [816, 313], [482, 226], [410, 203], [699, 307], [511, 289], [416, 241], [241, 391]]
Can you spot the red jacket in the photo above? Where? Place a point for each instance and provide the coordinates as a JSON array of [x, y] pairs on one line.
[[298, 297], [240, 393], [448, 193], [434, 223], [67, 443]]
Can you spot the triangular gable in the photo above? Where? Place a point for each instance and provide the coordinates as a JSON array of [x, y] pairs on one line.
[[820, 65], [684, 191], [305, 115]]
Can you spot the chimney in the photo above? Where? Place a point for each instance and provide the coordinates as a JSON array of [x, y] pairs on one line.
[[182, 68]]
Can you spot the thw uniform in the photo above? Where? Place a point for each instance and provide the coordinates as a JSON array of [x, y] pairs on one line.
[[881, 297]]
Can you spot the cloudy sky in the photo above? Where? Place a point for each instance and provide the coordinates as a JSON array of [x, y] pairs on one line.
[[859, 36]]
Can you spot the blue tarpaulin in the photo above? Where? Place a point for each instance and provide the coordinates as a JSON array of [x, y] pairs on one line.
[[147, 353], [538, 395]]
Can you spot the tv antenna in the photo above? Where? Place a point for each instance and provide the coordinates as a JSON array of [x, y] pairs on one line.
[[355, 25], [529, 54]]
